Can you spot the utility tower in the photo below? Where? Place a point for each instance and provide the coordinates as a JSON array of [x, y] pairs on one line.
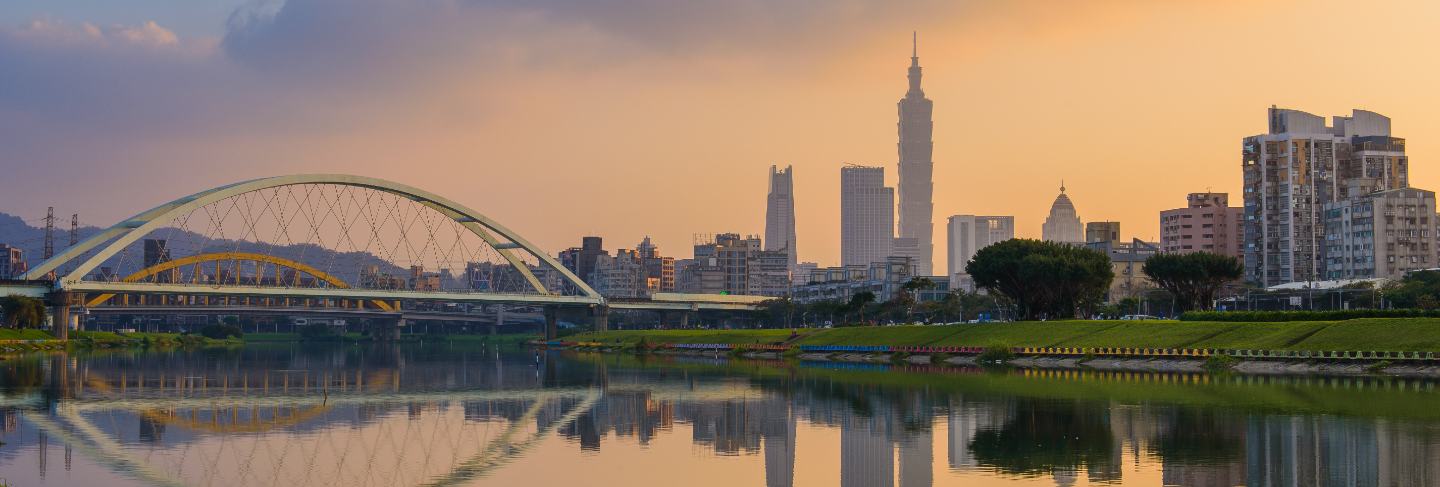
[[74, 229], [49, 233]]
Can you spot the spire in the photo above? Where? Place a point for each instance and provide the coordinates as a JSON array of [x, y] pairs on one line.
[[1062, 186], [915, 64]]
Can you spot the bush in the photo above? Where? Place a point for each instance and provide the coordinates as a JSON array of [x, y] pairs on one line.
[[221, 332], [1336, 315], [1216, 364], [996, 354]]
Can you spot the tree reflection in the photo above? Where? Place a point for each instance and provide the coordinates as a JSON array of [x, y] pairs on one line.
[[1044, 436]]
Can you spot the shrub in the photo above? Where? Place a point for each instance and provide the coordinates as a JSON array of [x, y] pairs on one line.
[[1219, 363], [996, 354], [1336, 315], [221, 332]]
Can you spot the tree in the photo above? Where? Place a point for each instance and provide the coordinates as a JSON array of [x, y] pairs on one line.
[[860, 300], [1194, 278], [906, 297], [1412, 290], [22, 311], [1043, 279]]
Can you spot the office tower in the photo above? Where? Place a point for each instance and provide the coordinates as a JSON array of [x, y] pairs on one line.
[[916, 168], [867, 215], [780, 213], [1298, 167], [1208, 224], [967, 234], [1383, 234], [1096, 232], [1063, 224]]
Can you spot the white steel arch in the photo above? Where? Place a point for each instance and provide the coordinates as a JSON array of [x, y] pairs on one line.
[[131, 230]]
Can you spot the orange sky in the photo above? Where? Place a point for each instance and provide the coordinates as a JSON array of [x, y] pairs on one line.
[[1134, 104]]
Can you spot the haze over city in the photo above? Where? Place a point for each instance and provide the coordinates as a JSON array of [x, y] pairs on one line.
[[653, 118]]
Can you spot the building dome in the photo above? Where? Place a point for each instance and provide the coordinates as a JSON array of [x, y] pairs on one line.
[[1063, 224], [1062, 204]]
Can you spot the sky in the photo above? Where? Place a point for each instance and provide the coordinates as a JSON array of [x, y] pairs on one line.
[[627, 118]]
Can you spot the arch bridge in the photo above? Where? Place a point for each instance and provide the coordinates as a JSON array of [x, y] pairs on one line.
[[320, 241]]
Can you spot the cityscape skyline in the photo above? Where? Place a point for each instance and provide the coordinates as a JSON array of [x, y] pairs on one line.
[[839, 93]]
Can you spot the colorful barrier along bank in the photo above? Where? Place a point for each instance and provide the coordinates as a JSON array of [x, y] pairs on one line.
[[1120, 352]]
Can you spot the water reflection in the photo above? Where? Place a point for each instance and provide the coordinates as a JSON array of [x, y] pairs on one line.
[[417, 415]]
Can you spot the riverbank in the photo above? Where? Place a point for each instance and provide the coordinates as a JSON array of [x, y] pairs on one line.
[[1407, 347], [14, 341], [1368, 334]]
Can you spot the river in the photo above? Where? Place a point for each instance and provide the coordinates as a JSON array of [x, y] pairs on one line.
[[415, 414]]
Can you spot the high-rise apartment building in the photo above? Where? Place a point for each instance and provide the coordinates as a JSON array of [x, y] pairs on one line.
[[1063, 223], [1380, 235], [867, 215], [780, 214], [1298, 167], [731, 264], [581, 260], [12, 262], [967, 234], [1102, 232], [916, 171], [1208, 224], [658, 268], [621, 276]]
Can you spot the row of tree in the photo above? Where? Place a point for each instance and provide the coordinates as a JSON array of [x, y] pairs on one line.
[[1047, 280], [22, 312]]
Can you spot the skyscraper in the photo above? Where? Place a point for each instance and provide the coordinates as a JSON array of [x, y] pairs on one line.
[[1063, 224], [916, 168], [968, 234], [1297, 168], [780, 213], [867, 215]]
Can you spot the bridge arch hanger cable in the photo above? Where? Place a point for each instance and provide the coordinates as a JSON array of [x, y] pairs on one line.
[[116, 238]]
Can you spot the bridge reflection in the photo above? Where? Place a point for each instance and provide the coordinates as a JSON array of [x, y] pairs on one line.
[[407, 415]]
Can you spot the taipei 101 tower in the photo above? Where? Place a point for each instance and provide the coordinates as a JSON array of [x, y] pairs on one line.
[[916, 167]]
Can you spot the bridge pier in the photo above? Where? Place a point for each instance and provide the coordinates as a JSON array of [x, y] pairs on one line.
[[387, 330], [61, 320], [551, 325], [601, 315]]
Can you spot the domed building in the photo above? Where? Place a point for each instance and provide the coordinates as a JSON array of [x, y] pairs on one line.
[[1063, 224]]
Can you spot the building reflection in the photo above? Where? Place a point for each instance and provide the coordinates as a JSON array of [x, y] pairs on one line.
[[887, 435]]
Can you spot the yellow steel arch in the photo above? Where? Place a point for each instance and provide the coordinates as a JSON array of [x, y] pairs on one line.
[[231, 257]]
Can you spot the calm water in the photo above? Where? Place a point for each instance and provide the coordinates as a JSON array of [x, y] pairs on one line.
[[437, 415]]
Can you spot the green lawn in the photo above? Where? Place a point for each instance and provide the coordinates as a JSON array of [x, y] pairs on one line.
[[1377, 334], [24, 334]]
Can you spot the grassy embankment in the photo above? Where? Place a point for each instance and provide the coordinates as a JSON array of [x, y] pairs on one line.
[[505, 339], [102, 339], [1368, 334]]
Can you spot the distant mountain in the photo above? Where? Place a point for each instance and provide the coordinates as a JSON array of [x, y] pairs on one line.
[[345, 265]]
